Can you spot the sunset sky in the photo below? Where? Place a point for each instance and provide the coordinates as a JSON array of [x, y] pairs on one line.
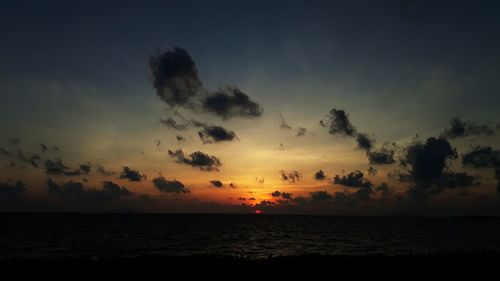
[[215, 105]]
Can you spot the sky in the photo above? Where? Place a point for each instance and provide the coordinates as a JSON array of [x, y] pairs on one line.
[[286, 107]]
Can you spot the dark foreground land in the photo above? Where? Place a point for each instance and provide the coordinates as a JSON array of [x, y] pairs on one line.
[[484, 265]]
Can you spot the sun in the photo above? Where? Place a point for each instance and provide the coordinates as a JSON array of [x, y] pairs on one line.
[[259, 212]]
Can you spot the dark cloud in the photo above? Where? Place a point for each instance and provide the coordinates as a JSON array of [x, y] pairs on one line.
[[5, 152], [461, 129], [283, 195], [428, 168], [353, 179], [175, 76], [102, 170], [55, 167], [384, 189], [427, 161], [301, 132], [169, 186], [109, 190], [319, 175], [198, 159], [283, 124], [28, 160], [338, 123], [217, 183], [292, 176], [85, 168], [384, 156], [131, 175], [372, 171], [365, 142], [211, 134], [9, 190], [231, 102], [482, 157], [172, 124], [320, 196]]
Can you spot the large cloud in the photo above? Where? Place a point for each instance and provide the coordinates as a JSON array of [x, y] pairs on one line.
[[211, 134], [231, 102], [197, 159], [353, 179], [428, 168], [109, 190], [338, 123], [131, 175], [482, 157], [175, 76], [460, 129], [169, 186], [365, 142], [383, 156]]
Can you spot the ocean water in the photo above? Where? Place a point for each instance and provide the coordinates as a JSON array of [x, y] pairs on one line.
[[252, 236]]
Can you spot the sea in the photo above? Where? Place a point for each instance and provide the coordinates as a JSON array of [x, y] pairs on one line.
[[249, 236]]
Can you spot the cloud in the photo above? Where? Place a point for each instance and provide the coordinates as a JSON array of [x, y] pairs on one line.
[[461, 129], [384, 189], [9, 190], [384, 156], [31, 160], [131, 175], [109, 190], [428, 168], [365, 142], [284, 195], [353, 179], [172, 124], [211, 134], [283, 124], [217, 183], [427, 161], [372, 171], [175, 76], [231, 102], [55, 167], [338, 123], [301, 132], [169, 186], [5, 152], [197, 159], [482, 157], [292, 176], [319, 175], [85, 168], [102, 170], [320, 196]]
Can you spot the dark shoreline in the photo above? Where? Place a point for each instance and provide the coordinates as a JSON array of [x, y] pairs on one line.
[[378, 267]]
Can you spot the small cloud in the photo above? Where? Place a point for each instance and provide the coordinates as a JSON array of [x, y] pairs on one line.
[[217, 183], [169, 186], [131, 175]]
